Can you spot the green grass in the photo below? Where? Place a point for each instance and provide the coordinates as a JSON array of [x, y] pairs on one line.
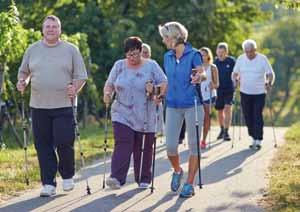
[[284, 188], [12, 178]]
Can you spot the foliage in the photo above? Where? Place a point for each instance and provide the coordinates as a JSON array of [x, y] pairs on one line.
[[108, 22], [294, 4], [282, 46]]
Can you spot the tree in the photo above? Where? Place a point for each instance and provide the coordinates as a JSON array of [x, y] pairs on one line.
[[283, 47], [294, 4], [108, 22]]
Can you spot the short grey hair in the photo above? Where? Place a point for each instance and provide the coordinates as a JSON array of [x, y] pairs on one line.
[[223, 45], [249, 43], [175, 31], [52, 18], [145, 45]]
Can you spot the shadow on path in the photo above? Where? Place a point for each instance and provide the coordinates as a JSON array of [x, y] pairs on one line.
[[109, 202], [225, 167], [30, 204]]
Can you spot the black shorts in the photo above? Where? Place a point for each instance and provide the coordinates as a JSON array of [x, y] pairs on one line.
[[224, 99]]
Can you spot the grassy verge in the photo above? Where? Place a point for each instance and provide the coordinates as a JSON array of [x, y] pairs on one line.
[[12, 161], [284, 188]]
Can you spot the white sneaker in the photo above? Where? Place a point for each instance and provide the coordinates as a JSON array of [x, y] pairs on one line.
[[144, 185], [48, 190], [68, 184], [113, 183], [258, 144], [253, 144]]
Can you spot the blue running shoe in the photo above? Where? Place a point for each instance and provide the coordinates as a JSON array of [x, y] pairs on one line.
[[187, 191], [176, 180]]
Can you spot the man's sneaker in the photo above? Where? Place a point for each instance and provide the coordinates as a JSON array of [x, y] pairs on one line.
[[113, 183], [253, 145], [144, 185], [68, 184], [226, 136], [258, 144], [220, 136], [203, 145], [187, 191], [176, 180], [48, 191]]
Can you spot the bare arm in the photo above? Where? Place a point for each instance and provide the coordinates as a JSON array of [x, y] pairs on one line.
[[270, 78], [215, 77], [78, 84]]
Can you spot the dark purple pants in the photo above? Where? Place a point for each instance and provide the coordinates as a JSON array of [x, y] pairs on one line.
[[128, 141]]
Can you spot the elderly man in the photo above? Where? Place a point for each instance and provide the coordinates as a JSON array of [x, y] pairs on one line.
[[256, 76], [57, 73]]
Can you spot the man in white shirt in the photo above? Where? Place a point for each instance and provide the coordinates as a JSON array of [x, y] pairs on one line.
[[256, 76]]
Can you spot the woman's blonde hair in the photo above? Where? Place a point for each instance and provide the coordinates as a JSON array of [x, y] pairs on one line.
[[209, 53], [174, 30]]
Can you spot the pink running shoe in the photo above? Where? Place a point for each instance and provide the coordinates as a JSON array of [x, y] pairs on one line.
[[203, 145]]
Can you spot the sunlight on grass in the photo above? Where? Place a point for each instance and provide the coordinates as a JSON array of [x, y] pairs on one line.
[[284, 190], [12, 174]]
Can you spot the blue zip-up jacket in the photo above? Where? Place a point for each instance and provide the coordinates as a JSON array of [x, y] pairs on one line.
[[181, 92]]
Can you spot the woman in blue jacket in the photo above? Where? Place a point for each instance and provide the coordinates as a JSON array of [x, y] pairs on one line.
[[178, 64]]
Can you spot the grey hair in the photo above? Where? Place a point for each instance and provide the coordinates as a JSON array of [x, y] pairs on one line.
[[52, 18], [175, 31], [145, 45], [223, 45], [249, 43]]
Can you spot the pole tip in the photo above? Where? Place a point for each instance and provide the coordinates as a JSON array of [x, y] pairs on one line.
[[88, 190]]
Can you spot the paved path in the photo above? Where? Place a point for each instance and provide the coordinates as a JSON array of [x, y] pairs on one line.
[[234, 179]]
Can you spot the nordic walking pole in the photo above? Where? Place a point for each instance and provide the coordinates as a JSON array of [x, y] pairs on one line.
[[241, 120], [210, 104], [234, 120], [24, 139], [144, 134], [197, 87], [77, 135], [105, 141], [154, 151], [157, 92], [272, 119]]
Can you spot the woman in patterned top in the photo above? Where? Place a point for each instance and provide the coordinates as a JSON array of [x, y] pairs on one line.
[[133, 112]]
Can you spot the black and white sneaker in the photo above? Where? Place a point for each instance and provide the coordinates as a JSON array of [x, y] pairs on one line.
[[253, 145], [258, 144]]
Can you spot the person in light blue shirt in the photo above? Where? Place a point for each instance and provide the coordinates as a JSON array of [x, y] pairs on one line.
[[178, 64]]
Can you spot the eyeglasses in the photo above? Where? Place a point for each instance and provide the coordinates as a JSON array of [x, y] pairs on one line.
[[133, 54]]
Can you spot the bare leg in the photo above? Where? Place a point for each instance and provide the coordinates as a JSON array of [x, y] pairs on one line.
[[221, 117], [206, 122], [175, 162], [227, 119], [193, 168]]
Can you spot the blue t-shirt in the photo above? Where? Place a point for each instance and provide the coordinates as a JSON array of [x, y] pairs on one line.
[[181, 92], [225, 69]]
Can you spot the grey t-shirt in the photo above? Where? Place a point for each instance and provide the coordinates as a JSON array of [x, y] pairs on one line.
[[131, 106], [51, 69]]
